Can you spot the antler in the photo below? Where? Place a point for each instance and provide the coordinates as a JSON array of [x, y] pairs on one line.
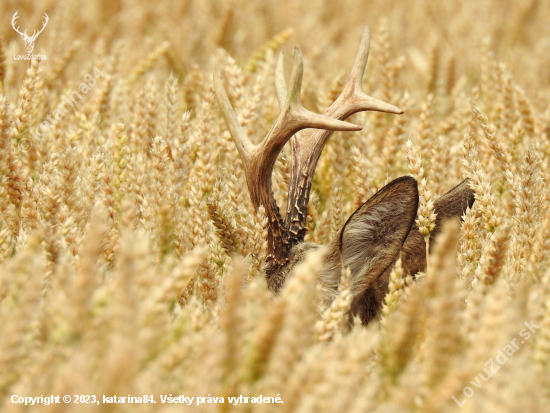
[[308, 146], [25, 35], [14, 18], [34, 34], [259, 160]]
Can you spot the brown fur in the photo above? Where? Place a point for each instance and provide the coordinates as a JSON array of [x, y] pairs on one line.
[[451, 205]]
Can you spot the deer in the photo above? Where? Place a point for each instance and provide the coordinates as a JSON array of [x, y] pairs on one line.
[[375, 235], [29, 40]]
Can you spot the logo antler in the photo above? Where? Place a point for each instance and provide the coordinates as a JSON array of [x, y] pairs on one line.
[[29, 40]]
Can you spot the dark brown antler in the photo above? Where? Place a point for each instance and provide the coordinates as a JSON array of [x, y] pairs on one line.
[[307, 148], [259, 160]]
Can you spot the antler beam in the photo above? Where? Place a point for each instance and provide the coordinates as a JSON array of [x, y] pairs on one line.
[[308, 146], [259, 160]]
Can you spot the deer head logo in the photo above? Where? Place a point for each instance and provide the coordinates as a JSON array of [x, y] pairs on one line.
[[29, 40]]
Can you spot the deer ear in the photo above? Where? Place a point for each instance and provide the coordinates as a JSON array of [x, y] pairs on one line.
[[454, 203], [371, 239], [451, 205]]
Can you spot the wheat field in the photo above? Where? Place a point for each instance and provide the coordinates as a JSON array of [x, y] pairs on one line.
[[131, 257]]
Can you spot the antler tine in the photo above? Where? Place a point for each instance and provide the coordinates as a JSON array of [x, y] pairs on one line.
[[14, 18], [353, 99], [360, 63], [243, 144], [44, 24]]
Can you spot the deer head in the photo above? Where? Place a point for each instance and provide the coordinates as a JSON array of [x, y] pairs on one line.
[[372, 238], [29, 40]]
